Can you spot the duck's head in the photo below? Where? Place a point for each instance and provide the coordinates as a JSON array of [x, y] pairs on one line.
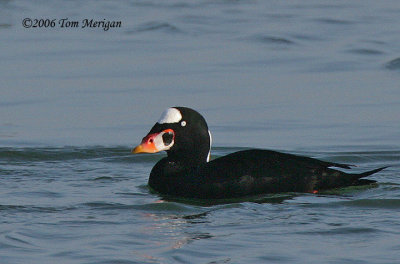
[[182, 132]]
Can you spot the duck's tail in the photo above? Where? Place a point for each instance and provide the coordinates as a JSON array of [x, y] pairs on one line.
[[339, 179], [367, 173], [358, 178]]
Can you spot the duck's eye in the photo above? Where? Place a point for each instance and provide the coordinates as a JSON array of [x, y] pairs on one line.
[[183, 123], [151, 140], [168, 138]]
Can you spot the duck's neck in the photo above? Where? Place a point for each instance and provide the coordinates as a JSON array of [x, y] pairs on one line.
[[194, 155], [193, 158]]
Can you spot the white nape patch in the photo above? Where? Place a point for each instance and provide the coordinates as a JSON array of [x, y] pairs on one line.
[[170, 115], [209, 152]]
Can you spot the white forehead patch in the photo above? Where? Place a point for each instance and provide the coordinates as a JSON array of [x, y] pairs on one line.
[[170, 115]]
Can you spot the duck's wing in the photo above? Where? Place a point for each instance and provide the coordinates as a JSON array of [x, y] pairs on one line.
[[257, 171], [268, 162]]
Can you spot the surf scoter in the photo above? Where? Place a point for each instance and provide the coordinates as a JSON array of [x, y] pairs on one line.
[[188, 172]]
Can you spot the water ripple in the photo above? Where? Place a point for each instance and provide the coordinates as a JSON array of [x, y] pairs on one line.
[[373, 203], [341, 231], [366, 51], [333, 21], [160, 206], [393, 64], [34, 209], [111, 154], [273, 40], [156, 26]]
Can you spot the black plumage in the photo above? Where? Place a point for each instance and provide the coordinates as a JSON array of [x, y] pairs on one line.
[[185, 172]]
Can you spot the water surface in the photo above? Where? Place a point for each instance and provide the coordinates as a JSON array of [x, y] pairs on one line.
[[312, 78]]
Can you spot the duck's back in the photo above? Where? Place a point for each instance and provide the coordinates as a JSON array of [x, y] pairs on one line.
[[249, 172]]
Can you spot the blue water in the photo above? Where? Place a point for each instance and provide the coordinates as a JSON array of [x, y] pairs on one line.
[[314, 78]]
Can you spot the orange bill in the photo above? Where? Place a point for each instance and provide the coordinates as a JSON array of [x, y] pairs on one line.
[[147, 145]]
